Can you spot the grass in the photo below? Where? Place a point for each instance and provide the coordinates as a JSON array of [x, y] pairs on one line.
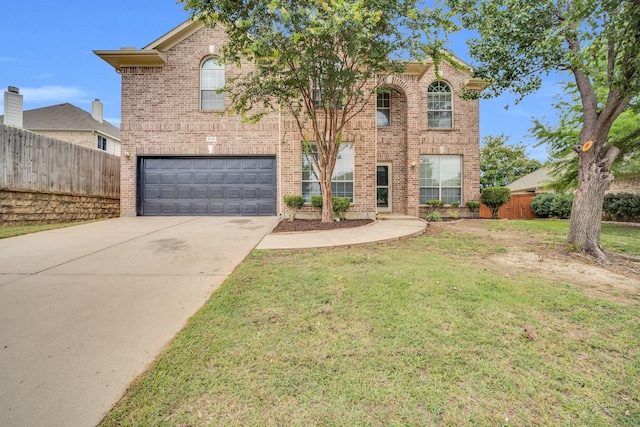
[[409, 333], [12, 231], [614, 237]]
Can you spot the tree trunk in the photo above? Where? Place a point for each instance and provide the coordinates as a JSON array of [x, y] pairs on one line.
[[327, 198], [594, 178]]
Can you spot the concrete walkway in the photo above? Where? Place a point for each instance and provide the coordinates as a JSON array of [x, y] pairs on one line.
[[387, 227]]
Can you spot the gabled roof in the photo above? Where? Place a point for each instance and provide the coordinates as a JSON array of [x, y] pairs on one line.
[[531, 182], [65, 117], [154, 54]]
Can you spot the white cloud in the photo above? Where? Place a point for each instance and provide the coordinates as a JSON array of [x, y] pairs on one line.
[[53, 94]]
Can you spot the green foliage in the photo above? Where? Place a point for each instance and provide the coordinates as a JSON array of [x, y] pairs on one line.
[[560, 138], [518, 43], [434, 203], [434, 216], [622, 207], [494, 198], [340, 206], [454, 214], [473, 206], [552, 205], [313, 59], [316, 201], [455, 204], [293, 204], [502, 163]]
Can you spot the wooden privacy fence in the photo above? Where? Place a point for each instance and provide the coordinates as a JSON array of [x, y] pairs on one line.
[[518, 208], [37, 163]]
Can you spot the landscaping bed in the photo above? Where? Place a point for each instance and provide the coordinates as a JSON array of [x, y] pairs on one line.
[[299, 225]]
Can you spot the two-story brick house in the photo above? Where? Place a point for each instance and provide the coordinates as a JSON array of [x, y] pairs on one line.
[[181, 155]]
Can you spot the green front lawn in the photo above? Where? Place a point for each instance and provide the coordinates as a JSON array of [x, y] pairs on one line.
[[416, 332]]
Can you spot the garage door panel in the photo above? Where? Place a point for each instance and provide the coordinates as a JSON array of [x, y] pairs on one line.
[[217, 193], [152, 178], [168, 178], [234, 208], [200, 193], [184, 193], [200, 178], [234, 193], [250, 178], [208, 186], [217, 178], [234, 178], [234, 164], [169, 164]]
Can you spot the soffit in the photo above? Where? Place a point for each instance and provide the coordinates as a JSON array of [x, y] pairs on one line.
[[152, 55]]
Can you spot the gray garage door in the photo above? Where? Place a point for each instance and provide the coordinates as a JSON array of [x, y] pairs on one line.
[[212, 186]]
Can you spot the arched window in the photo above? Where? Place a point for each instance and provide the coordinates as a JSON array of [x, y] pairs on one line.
[[211, 81], [440, 108]]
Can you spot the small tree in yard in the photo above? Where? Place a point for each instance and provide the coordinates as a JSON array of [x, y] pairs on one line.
[[319, 61], [494, 198], [519, 42]]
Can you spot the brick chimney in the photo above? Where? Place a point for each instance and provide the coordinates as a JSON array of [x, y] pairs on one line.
[[97, 110], [13, 105]]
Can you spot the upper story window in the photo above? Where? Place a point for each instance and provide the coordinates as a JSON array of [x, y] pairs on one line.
[[211, 81], [384, 109], [440, 108], [102, 143]]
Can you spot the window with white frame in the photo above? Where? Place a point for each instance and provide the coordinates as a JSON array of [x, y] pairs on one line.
[[440, 178], [384, 109], [102, 143], [211, 81], [440, 108], [342, 179]]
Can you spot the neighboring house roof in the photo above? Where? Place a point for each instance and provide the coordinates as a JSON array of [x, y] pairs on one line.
[[65, 117], [534, 181], [154, 54]]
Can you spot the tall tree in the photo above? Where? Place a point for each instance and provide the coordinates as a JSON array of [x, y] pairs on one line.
[[320, 61], [520, 42], [561, 136], [502, 163]]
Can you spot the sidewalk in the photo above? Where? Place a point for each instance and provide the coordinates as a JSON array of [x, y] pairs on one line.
[[386, 227]]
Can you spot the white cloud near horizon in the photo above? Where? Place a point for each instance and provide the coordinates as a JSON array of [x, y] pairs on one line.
[[53, 94]]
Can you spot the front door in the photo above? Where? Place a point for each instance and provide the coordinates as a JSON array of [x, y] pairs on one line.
[[383, 187]]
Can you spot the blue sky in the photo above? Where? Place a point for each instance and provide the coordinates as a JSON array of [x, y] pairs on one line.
[[46, 50]]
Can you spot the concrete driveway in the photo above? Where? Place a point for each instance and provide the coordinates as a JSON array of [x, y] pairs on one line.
[[85, 309]]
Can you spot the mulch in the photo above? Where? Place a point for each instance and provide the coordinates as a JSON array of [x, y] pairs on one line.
[[298, 225]]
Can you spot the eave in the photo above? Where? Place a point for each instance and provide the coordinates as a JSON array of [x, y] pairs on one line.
[[128, 57]]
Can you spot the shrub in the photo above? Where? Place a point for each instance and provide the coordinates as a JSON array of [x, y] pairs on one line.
[[622, 207], [435, 203], [434, 216], [541, 205], [473, 206], [552, 205], [454, 214], [293, 204], [340, 206], [561, 206], [316, 202], [455, 204], [494, 198]]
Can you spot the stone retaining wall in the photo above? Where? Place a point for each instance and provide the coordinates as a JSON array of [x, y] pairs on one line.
[[32, 208]]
